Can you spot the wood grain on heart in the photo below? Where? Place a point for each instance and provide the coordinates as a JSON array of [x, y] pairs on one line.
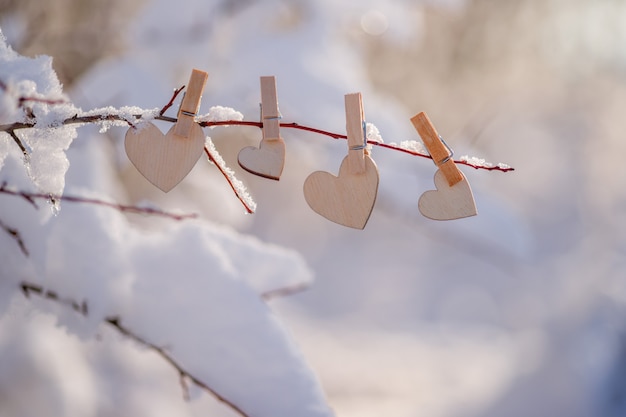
[[163, 159], [166, 159], [269, 159], [347, 199], [448, 202], [266, 161]]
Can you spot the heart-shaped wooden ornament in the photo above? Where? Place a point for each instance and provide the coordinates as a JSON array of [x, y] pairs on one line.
[[163, 159], [266, 161], [347, 199], [448, 202]]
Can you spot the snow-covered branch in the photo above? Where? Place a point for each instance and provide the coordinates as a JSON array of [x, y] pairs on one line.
[[116, 323], [23, 99], [116, 115], [408, 147], [82, 308], [237, 186]]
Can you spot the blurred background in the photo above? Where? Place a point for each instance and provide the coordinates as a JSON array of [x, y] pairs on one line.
[[519, 311]]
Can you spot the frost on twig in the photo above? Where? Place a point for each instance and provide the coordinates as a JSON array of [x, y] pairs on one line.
[[481, 163], [220, 114], [108, 117], [226, 116], [237, 186], [47, 122]]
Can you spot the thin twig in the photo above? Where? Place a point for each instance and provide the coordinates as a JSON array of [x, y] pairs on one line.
[[31, 197], [229, 179], [393, 147], [28, 288], [25, 196], [76, 119], [115, 322], [113, 117], [231, 123], [15, 234], [314, 130], [18, 142], [285, 291], [44, 100], [171, 102], [50, 101]]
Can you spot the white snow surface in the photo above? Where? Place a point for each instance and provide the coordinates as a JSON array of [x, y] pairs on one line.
[[34, 78], [220, 114], [193, 287]]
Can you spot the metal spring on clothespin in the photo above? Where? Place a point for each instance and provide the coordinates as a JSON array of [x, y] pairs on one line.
[[364, 144], [450, 153]]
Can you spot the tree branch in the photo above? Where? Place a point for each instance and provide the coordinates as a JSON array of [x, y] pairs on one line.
[[238, 189], [23, 99], [285, 291], [116, 323], [28, 288], [114, 117], [31, 197], [171, 102], [211, 152], [15, 234], [18, 142]]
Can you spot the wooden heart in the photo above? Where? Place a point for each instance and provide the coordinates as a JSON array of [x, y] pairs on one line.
[[266, 161], [163, 159], [347, 199], [448, 203]]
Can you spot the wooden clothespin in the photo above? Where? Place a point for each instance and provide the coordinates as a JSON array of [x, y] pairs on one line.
[[357, 138], [191, 103], [270, 114], [453, 198], [269, 159], [349, 198], [166, 159]]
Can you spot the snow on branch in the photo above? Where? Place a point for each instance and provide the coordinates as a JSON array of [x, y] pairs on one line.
[[405, 147], [217, 116], [116, 323], [23, 99], [237, 186], [121, 115], [82, 308]]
